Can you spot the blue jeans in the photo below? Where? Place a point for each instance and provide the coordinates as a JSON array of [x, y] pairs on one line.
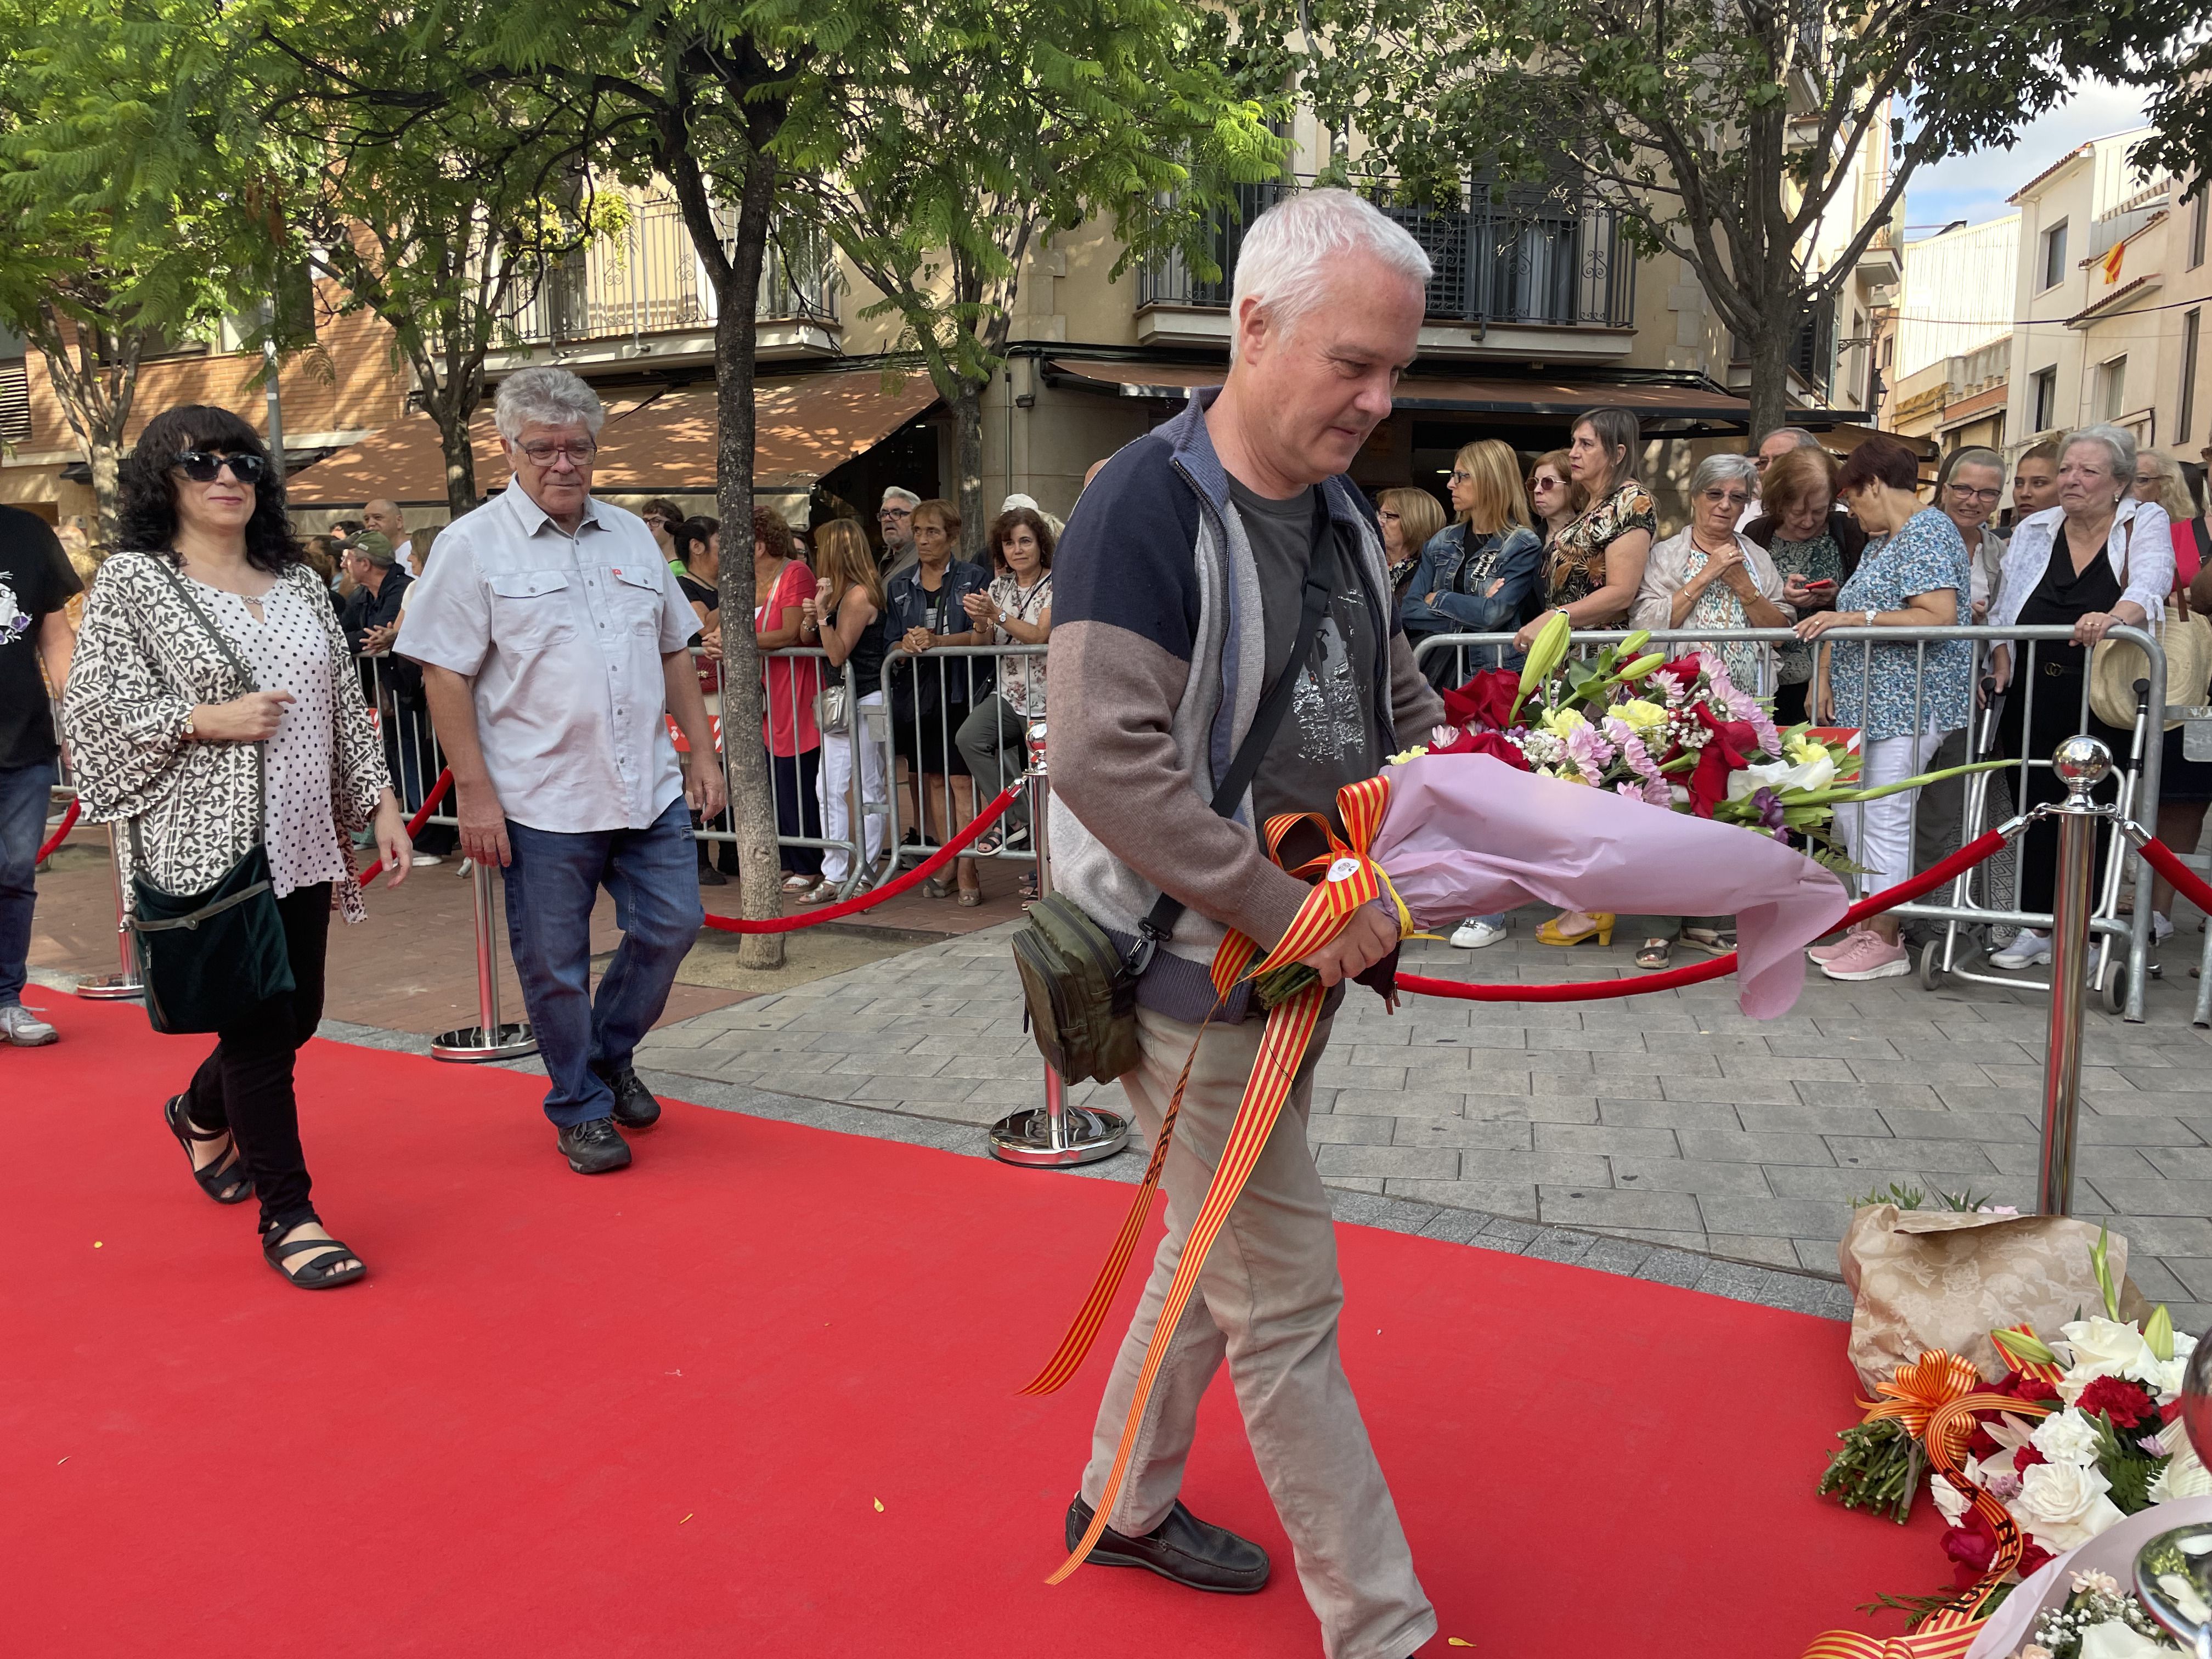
[[551, 884], [24, 793]]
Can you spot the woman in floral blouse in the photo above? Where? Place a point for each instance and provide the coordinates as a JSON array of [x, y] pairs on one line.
[[1593, 570], [1016, 610], [1816, 546]]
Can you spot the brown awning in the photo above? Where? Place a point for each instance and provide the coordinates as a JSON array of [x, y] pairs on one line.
[[804, 428], [1658, 400]]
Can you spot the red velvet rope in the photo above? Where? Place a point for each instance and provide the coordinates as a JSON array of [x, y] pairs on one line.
[[2187, 882], [945, 855], [415, 824], [1720, 967], [68, 823]]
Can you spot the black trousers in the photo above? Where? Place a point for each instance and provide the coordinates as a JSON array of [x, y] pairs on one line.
[[797, 813], [245, 1085], [2058, 669]]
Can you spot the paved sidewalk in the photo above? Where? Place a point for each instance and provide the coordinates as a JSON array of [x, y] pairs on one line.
[[1669, 1119]]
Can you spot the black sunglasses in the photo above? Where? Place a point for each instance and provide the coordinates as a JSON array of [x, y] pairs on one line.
[[201, 466]]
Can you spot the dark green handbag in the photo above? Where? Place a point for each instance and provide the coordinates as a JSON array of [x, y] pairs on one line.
[[208, 959]]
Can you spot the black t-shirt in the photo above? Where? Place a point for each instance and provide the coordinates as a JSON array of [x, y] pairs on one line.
[[1330, 737], [35, 581]]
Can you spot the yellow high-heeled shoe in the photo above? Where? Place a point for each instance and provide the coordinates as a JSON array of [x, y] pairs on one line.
[[1601, 929]]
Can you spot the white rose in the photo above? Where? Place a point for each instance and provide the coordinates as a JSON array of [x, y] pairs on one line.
[[2062, 1504], [2066, 1437], [1950, 1502], [2115, 1639], [2184, 1476], [2102, 1347]]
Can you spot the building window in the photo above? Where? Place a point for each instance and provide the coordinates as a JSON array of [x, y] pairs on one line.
[[2191, 323], [2054, 255], [2043, 392], [15, 403], [2111, 388], [2196, 224]]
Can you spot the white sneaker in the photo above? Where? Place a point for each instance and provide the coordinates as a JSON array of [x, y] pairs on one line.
[[2160, 929], [25, 1029], [1474, 932], [2030, 950], [427, 860]]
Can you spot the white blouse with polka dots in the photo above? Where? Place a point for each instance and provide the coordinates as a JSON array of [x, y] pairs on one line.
[[287, 650]]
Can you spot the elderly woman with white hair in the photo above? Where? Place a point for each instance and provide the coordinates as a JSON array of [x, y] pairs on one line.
[[2099, 560], [1709, 576]]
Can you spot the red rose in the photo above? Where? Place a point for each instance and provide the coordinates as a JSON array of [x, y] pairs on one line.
[[1496, 745], [1971, 1547], [2024, 1458], [2026, 1385], [2032, 1555], [1981, 1443], [1729, 749], [2128, 1404], [1688, 669], [1486, 700]]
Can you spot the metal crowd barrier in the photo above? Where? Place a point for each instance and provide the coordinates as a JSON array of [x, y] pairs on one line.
[[2121, 942], [926, 701]]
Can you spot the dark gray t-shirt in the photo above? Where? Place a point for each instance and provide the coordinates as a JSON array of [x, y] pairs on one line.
[[1330, 737]]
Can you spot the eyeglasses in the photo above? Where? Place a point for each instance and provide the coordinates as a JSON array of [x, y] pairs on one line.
[[545, 454], [1733, 497], [1541, 481], [1966, 495], [202, 467], [1385, 513], [1458, 477], [895, 512]]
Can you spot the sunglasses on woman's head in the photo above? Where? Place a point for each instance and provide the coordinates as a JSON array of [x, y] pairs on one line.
[[202, 467]]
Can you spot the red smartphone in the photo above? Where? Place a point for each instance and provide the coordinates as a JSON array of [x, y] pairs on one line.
[[1820, 586]]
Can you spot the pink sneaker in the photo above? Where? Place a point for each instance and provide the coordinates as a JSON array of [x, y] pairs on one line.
[[1825, 954], [1868, 955]]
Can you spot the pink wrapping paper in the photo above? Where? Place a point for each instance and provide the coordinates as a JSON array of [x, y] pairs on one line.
[[1468, 835]]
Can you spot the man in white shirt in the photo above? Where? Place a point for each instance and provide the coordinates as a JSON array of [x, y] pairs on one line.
[[552, 638], [385, 519]]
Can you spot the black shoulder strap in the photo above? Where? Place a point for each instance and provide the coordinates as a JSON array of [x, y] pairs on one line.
[[238, 663], [1266, 720]]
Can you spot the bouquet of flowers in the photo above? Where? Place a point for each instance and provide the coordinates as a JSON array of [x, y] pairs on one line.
[[2100, 1620]]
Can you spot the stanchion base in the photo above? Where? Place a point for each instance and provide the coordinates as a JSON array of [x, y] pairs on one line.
[[470, 1043], [1025, 1138], [111, 987]]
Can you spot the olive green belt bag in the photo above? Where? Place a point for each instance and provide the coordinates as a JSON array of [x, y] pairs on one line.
[[1081, 990]]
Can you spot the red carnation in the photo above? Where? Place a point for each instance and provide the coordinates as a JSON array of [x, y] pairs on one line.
[[1496, 745], [2032, 1555], [2024, 1458], [1486, 700], [2128, 1404], [1981, 1443], [1729, 749], [1688, 669], [2026, 1385]]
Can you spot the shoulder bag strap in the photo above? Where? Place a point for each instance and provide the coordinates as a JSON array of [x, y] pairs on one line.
[[1266, 720], [238, 663]]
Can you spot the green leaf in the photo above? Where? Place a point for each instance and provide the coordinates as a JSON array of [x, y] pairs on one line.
[[2100, 1259]]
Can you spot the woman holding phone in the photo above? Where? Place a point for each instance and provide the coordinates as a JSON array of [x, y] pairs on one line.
[[1816, 546]]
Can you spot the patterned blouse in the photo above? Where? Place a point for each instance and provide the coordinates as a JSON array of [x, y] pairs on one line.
[[1576, 555], [1880, 689], [1817, 560], [1021, 679], [142, 661]]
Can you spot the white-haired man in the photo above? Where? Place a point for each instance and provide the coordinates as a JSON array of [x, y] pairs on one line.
[[895, 518], [1179, 589], [552, 638]]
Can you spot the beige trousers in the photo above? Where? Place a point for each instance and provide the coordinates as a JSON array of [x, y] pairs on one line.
[[1267, 1300]]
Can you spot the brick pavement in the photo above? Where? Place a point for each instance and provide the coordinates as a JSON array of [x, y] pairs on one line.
[[1669, 1119]]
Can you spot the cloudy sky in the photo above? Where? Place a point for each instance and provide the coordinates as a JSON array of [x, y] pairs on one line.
[[1974, 187]]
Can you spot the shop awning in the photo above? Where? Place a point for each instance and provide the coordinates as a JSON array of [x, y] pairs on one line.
[[804, 428], [1485, 395]]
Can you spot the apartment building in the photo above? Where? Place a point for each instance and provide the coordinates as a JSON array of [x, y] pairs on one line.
[[2111, 291], [1953, 358]]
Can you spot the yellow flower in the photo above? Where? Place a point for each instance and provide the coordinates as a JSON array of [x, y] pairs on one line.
[[1640, 716], [1561, 721], [1803, 750], [1414, 753]]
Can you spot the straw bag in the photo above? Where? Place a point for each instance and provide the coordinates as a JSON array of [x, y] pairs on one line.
[[2115, 665]]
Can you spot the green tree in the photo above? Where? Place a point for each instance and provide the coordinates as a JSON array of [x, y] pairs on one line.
[[1723, 134]]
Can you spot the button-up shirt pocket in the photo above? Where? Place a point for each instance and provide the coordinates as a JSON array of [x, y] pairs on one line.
[[532, 610], [636, 597]]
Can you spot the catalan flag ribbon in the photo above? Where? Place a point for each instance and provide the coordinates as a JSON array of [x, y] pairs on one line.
[[1349, 879]]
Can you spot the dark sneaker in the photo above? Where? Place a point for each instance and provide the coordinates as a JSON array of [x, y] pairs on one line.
[[634, 1106], [595, 1147], [1182, 1548]]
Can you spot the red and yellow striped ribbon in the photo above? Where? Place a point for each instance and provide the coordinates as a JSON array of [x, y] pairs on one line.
[[1951, 1629]]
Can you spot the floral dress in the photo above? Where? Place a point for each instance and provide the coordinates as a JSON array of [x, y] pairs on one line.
[[1879, 690], [1819, 560], [1577, 567]]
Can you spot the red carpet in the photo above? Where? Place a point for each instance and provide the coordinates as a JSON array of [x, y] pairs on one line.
[[756, 1397]]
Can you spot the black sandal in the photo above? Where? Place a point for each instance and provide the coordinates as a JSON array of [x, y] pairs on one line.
[[316, 1275], [226, 1183]]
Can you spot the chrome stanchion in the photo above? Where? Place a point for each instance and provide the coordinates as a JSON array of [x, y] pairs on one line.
[[488, 1039], [113, 988], [1053, 1135], [2082, 763]]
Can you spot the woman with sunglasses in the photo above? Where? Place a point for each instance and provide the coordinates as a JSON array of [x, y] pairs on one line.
[[202, 761]]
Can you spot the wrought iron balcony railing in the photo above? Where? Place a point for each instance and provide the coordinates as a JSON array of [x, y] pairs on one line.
[[645, 279], [1528, 257]]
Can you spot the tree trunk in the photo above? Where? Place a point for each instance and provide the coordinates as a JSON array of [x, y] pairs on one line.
[[1772, 346], [104, 457], [453, 422], [752, 800], [967, 453]]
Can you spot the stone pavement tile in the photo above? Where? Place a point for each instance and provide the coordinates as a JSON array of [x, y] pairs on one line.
[[1538, 1107], [2180, 1162], [1678, 1267], [1680, 1175], [1506, 1135], [1390, 1103], [1776, 1289], [1715, 1042], [1848, 1185], [1793, 1218], [1555, 1061], [2163, 1196], [1814, 1046], [1453, 1225], [1815, 1119], [1604, 1081], [1731, 1091], [970, 1065], [1512, 1168], [2198, 1126], [1621, 1040], [2026, 1158], [2166, 1236], [2103, 1078], [2171, 1079], [1016, 1042], [1909, 1121], [1987, 1098], [1964, 1052], [1326, 1129], [1605, 1139], [1885, 1029], [878, 1060], [1747, 1146], [799, 1062], [1934, 1073], [1603, 1206], [2190, 1316], [1814, 1092], [1815, 1254], [1513, 1228], [1499, 1200], [1558, 1245], [1374, 1184], [2195, 1272], [1498, 1082], [1332, 1074], [1391, 1215], [2156, 1280], [1952, 1157], [1667, 1113], [1412, 1059], [1754, 1247], [911, 1090], [1791, 1069], [1617, 1255], [1412, 1162]]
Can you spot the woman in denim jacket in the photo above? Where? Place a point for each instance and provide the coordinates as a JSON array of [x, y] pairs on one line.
[[1479, 575]]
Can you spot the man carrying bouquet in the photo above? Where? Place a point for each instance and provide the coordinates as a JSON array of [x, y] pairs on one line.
[[1181, 593]]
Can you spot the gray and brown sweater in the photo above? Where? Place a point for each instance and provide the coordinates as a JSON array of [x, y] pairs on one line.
[[1158, 664]]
